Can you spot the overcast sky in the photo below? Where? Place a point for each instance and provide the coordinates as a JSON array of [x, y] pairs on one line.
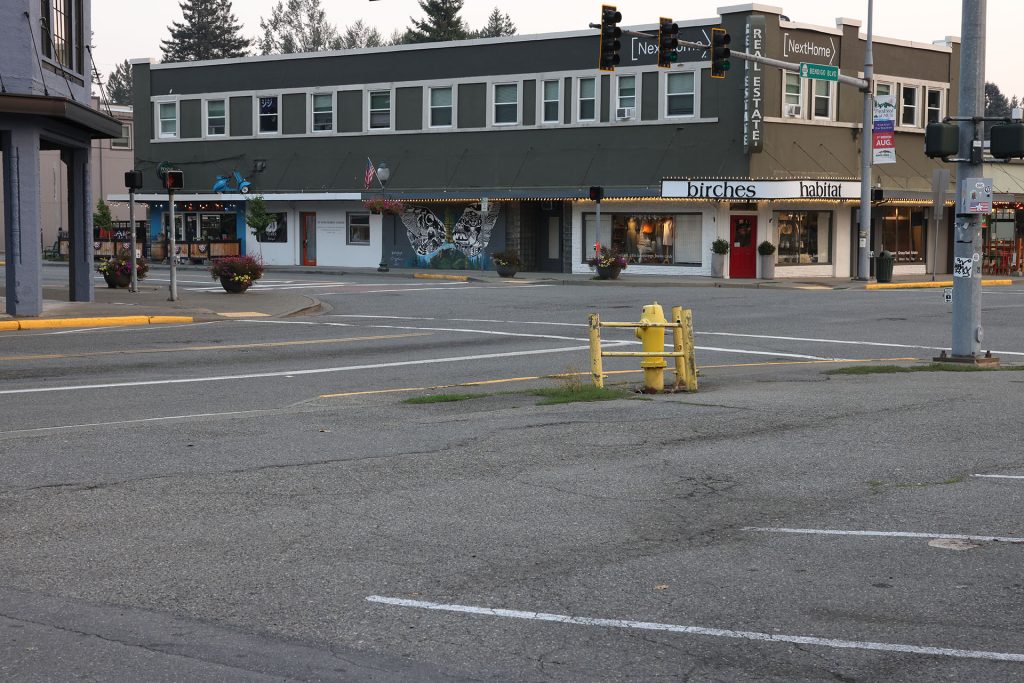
[[127, 30]]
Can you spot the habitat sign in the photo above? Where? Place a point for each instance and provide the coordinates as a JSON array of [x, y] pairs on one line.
[[760, 189]]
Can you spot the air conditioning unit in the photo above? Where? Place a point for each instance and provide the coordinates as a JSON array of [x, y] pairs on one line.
[[625, 113], [791, 110]]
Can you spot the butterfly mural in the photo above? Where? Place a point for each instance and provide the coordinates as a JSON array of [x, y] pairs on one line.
[[469, 236]]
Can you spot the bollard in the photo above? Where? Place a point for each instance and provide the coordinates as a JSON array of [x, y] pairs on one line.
[[653, 339], [686, 365], [596, 367]]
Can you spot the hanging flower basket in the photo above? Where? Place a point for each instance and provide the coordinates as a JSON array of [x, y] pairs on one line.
[[381, 206]]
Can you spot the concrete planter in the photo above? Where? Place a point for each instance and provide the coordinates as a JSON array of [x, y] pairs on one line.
[[767, 266], [717, 265]]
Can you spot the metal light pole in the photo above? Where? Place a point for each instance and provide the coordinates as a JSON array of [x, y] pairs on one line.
[[967, 331], [864, 233], [383, 175], [134, 286], [170, 250]]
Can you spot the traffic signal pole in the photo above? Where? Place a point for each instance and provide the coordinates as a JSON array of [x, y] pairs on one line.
[[866, 141]]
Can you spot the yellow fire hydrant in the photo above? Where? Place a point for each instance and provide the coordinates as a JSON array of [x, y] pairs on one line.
[[653, 339]]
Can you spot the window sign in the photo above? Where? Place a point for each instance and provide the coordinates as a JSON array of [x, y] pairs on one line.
[[277, 229], [268, 114]]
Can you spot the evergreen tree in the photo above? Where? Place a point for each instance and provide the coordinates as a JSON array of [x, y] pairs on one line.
[[102, 221], [498, 24], [209, 31], [257, 218], [441, 23], [996, 104], [298, 26], [360, 35], [119, 84], [397, 38]]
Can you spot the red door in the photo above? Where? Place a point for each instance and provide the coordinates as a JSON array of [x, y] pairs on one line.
[[743, 249], [307, 229]]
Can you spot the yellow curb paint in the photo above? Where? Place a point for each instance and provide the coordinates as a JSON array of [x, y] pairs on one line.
[[933, 285], [6, 325], [438, 276], [113, 321], [169, 319]]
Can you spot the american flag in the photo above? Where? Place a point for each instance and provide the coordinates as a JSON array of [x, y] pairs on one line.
[[369, 175]]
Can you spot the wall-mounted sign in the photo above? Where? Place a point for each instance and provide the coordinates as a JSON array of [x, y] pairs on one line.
[[883, 145], [761, 189], [821, 48], [643, 50], [753, 86]]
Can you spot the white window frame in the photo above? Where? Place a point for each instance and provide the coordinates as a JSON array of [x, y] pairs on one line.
[[312, 112], [370, 110], [259, 115], [430, 106], [801, 109], [695, 93], [942, 104], [619, 78], [916, 106], [206, 118], [348, 229], [812, 93], [494, 103], [888, 84], [160, 120], [126, 129], [580, 99], [559, 107]]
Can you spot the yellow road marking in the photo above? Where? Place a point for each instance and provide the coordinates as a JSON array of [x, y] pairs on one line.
[[213, 347], [611, 372], [439, 276], [932, 285], [244, 314], [110, 321]]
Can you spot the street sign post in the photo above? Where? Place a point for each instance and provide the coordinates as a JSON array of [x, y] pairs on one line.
[[821, 72]]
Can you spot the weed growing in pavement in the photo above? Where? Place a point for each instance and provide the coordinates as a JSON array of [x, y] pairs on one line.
[[441, 398], [556, 395], [930, 367]]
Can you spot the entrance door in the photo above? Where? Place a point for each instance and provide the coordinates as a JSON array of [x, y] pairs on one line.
[[743, 251], [548, 246], [307, 235]]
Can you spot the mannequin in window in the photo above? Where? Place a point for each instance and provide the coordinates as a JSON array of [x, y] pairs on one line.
[[668, 233], [632, 236]]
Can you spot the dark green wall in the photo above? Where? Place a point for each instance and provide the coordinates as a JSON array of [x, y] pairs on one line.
[[350, 111], [649, 97], [293, 114], [529, 102], [190, 118], [472, 109], [409, 108], [241, 116]]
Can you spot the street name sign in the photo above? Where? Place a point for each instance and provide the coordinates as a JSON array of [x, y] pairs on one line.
[[821, 72]]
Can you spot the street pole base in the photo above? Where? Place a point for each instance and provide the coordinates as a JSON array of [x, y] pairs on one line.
[[383, 267], [986, 361]]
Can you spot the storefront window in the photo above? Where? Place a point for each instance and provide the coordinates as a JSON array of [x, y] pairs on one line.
[[358, 228], [202, 227], [903, 233], [277, 229], [647, 238], [805, 237]]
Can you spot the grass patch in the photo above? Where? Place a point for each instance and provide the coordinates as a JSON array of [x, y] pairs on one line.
[[929, 367], [441, 398], [556, 395]]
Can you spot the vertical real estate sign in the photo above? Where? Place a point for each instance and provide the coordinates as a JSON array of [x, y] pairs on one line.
[[753, 86], [883, 145]]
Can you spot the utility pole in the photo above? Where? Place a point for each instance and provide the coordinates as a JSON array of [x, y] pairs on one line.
[[967, 245], [864, 234]]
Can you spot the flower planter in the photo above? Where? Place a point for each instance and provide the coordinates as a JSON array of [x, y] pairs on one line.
[[608, 272], [717, 265], [233, 286], [505, 271], [767, 266], [117, 280]]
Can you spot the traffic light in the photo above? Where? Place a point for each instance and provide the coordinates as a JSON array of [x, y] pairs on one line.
[[174, 180], [667, 35], [596, 193], [1007, 140], [608, 57], [720, 52], [133, 180], [941, 140]]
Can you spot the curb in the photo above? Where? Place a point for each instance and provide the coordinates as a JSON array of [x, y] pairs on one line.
[[113, 321], [933, 285], [438, 276]]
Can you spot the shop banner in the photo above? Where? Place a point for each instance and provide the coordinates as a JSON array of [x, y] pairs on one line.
[[883, 145], [753, 83]]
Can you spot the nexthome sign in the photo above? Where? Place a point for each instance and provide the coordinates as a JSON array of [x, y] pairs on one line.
[[760, 189]]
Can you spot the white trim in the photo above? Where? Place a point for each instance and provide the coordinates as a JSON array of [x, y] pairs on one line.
[[663, 94], [907, 43], [206, 117], [428, 106], [813, 122], [311, 121], [810, 27], [617, 93], [831, 101], [560, 101], [368, 93], [256, 113], [578, 99], [157, 103], [916, 107], [492, 104]]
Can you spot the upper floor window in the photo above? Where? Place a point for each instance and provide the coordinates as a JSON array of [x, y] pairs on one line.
[[323, 112], [679, 98], [822, 100], [380, 109], [61, 31], [167, 113], [441, 107], [506, 103], [551, 102], [882, 88], [269, 119], [588, 99], [125, 141], [908, 102], [627, 92], [216, 117], [933, 106], [792, 97]]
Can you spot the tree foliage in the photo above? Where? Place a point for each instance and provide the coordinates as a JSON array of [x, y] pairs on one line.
[[359, 35], [996, 104], [119, 84], [101, 218], [209, 31], [442, 22], [297, 26], [498, 24], [256, 216]]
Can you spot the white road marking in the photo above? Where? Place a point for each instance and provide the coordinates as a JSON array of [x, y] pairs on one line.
[[998, 476], [137, 421], [133, 329], [885, 534], [702, 630]]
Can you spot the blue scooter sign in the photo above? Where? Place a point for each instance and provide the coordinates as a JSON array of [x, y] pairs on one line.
[[223, 183]]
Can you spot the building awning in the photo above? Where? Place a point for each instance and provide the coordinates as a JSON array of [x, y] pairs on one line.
[[93, 123], [236, 197]]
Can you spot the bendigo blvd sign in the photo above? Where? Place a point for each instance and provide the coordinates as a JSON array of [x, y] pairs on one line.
[[761, 189]]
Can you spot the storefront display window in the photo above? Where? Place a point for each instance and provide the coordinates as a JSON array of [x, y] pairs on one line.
[[647, 238], [203, 227], [904, 233], [805, 237], [277, 229]]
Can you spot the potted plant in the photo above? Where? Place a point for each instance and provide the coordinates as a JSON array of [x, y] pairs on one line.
[[608, 263], [767, 251], [719, 248], [507, 262], [117, 270], [382, 206], [236, 273]]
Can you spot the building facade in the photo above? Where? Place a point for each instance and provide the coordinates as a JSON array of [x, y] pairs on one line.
[[44, 106], [495, 144]]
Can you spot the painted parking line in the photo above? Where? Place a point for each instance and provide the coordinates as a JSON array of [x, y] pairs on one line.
[[898, 648], [998, 476], [886, 534]]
